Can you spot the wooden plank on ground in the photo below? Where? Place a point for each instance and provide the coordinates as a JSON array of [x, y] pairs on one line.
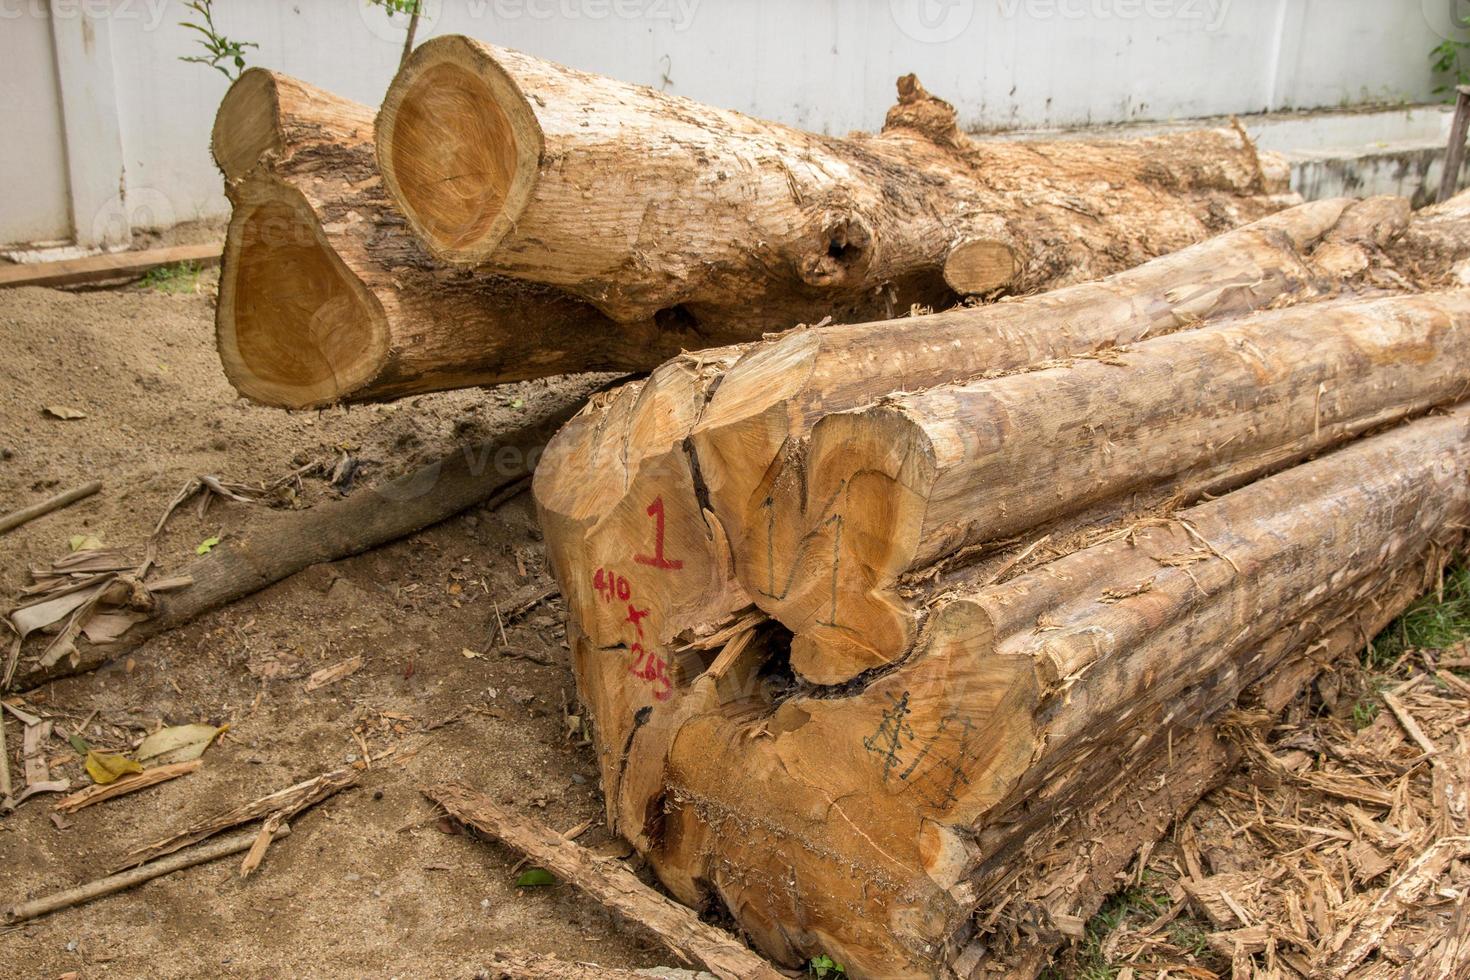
[[115, 265], [610, 883]]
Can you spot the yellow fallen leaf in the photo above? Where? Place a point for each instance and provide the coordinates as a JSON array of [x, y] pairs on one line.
[[177, 743], [469, 654], [105, 767]]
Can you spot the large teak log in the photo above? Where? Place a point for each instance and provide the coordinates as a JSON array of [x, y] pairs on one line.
[[867, 825], [649, 205], [888, 490], [325, 296]]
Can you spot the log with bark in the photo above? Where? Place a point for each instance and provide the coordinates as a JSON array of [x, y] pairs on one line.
[[867, 818], [652, 206], [883, 493], [871, 822], [325, 297], [629, 496]]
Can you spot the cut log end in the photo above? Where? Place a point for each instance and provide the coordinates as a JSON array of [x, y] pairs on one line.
[[247, 126], [459, 146], [295, 327], [979, 266]]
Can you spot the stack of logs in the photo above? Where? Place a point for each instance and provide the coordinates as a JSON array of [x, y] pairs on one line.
[[904, 634]]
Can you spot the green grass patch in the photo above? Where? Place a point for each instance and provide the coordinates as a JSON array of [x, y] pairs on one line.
[[1433, 622], [178, 277]]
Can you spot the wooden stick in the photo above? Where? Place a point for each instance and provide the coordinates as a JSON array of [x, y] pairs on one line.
[[611, 884], [1454, 155], [279, 544], [130, 783], [118, 265], [286, 803], [27, 514], [6, 789], [115, 883]]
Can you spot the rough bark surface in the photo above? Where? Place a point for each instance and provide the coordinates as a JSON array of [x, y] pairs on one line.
[[649, 205], [886, 491], [326, 297]]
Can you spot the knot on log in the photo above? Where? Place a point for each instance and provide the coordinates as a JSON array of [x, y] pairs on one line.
[[841, 253], [920, 111]]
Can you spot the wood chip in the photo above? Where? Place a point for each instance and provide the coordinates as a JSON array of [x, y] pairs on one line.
[[334, 673]]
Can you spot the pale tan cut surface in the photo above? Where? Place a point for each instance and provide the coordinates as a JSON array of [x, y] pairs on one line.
[[459, 148], [297, 324]]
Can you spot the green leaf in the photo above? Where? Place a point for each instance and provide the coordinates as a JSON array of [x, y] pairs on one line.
[[824, 966], [535, 877], [79, 743], [206, 546]]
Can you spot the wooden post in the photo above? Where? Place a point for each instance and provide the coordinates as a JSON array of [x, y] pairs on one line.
[[1455, 154]]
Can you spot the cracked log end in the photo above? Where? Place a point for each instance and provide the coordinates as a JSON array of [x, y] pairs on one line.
[[296, 328], [459, 147]]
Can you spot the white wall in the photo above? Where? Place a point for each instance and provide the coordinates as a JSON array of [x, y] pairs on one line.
[[826, 65], [33, 195]]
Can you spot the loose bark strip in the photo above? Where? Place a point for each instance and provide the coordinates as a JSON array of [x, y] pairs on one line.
[[651, 206], [130, 783], [677, 927], [27, 514], [276, 544], [325, 297], [891, 489], [284, 804], [269, 827], [122, 881]]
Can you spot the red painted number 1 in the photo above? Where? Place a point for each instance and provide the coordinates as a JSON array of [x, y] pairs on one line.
[[657, 559]]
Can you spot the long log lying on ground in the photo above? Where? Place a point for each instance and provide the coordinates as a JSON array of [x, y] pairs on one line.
[[325, 297], [884, 492], [275, 544], [632, 485], [652, 206], [870, 825]]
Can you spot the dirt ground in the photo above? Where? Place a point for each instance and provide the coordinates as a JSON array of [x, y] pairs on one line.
[[367, 884]]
